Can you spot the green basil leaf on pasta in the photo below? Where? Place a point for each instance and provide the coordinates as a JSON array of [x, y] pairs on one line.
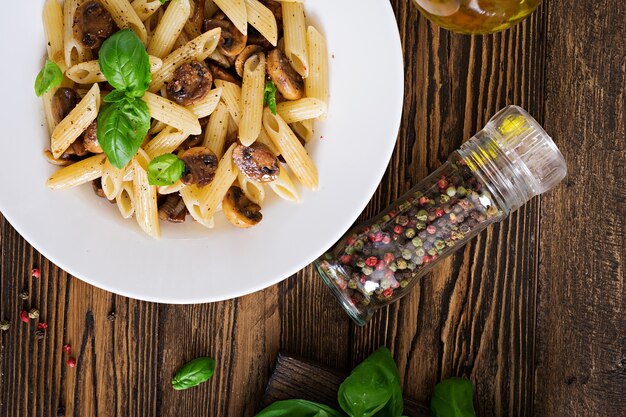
[[194, 373], [115, 96], [125, 64], [122, 127], [269, 96], [298, 408], [49, 77], [165, 169]]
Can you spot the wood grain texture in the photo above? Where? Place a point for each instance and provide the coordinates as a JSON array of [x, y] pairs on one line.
[[532, 310]]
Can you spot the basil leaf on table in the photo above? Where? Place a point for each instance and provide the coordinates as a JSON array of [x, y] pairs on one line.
[[122, 127], [194, 373], [165, 169], [49, 77], [125, 64], [298, 408], [373, 388], [453, 397], [269, 96]]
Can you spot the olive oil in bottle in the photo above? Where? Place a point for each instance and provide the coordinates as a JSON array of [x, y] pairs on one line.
[[476, 16]]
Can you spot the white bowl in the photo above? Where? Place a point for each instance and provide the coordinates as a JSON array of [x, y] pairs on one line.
[[85, 235]]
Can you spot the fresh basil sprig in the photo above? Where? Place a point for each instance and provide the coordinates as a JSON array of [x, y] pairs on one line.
[[269, 96], [194, 373], [124, 120], [165, 169], [453, 397], [298, 408], [124, 62], [49, 77], [373, 388]]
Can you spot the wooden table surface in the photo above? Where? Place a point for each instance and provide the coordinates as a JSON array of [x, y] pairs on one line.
[[533, 310]]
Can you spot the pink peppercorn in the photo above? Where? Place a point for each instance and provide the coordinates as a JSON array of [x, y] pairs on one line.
[[351, 240], [378, 237], [397, 229], [426, 259], [442, 184], [439, 212], [393, 213], [42, 326], [431, 229], [24, 316], [389, 258], [366, 229], [67, 348], [71, 362], [345, 259], [35, 273], [380, 265], [424, 200], [371, 261], [388, 292], [386, 239], [390, 275]]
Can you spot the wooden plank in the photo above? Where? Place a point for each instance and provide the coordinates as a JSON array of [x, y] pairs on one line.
[[581, 329], [298, 378]]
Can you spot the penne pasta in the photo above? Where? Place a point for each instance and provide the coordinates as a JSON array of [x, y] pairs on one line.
[[207, 105], [165, 142], [295, 37], [252, 99], [170, 189], [284, 188], [303, 109], [172, 114], [169, 28], [291, 149], [252, 189], [76, 122], [316, 84], [53, 28], [236, 11], [265, 140], [193, 25], [73, 51], [125, 16], [209, 8], [216, 130], [303, 129], [78, 173], [263, 20], [191, 196], [48, 111], [225, 175], [145, 197], [89, 72], [145, 8], [112, 179], [231, 96], [126, 200], [196, 49]]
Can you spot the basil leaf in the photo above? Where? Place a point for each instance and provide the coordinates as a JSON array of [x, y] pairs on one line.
[[373, 388], [49, 77], [269, 96], [298, 408], [453, 397], [124, 62], [115, 96], [122, 127], [165, 169], [194, 373], [163, 1]]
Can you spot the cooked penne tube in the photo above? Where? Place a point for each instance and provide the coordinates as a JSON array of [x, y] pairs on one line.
[[172, 114], [252, 99], [225, 176], [193, 25], [126, 200], [216, 130], [170, 189], [165, 142], [304, 129], [125, 17], [112, 179], [191, 196], [73, 51], [291, 149], [231, 96], [78, 173], [145, 197], [48, 110], [53, 28], [252, 189], [263, 20], [295, 37], [284, 188], [236, 11], [265, 140], [145, 8], [209, 8], [207, 105], [303, 109], [181, 40], [76, 122], [156, 127], [196, 49], [316, 84], [169, 28], [88, 72]]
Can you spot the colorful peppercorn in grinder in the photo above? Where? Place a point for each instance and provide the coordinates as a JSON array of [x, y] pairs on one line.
[[494, 173]]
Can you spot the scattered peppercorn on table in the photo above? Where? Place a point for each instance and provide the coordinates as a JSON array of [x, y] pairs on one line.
[[537, 324]]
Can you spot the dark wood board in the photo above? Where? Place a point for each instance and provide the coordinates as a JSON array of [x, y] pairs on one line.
[[532, 311]]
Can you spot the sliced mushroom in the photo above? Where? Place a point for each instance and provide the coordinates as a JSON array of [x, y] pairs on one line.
[[256, 162], [239, 210], [244, 55], [75, 149], [200, 165], [97, 187], [92, 24], [220, 73], [63, 102], [191, 82], [173, 209], [231, 41], [90, 138], [286, 79]]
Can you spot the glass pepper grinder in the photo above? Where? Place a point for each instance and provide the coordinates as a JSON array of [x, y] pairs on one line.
[[494, 173]]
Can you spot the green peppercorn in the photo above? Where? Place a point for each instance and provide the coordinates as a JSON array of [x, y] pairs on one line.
[[417, 242], [360, 263], [440, 244], [352, 284], [349, 250], [24, 295], [411, 266], [461, 191], [375, 228], [419, 260], [402, 264], [405, 206], [393, 267], [33, 313], [420, 252], [418, 194], [451, 191], [385, 218], [432, 252], [450, 243], [404, 283], [358, 245], [444, 198], [492, 211], [4, 325], [367, 270], [420, 225], [385, 283], [410, 233], [422, 215]]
